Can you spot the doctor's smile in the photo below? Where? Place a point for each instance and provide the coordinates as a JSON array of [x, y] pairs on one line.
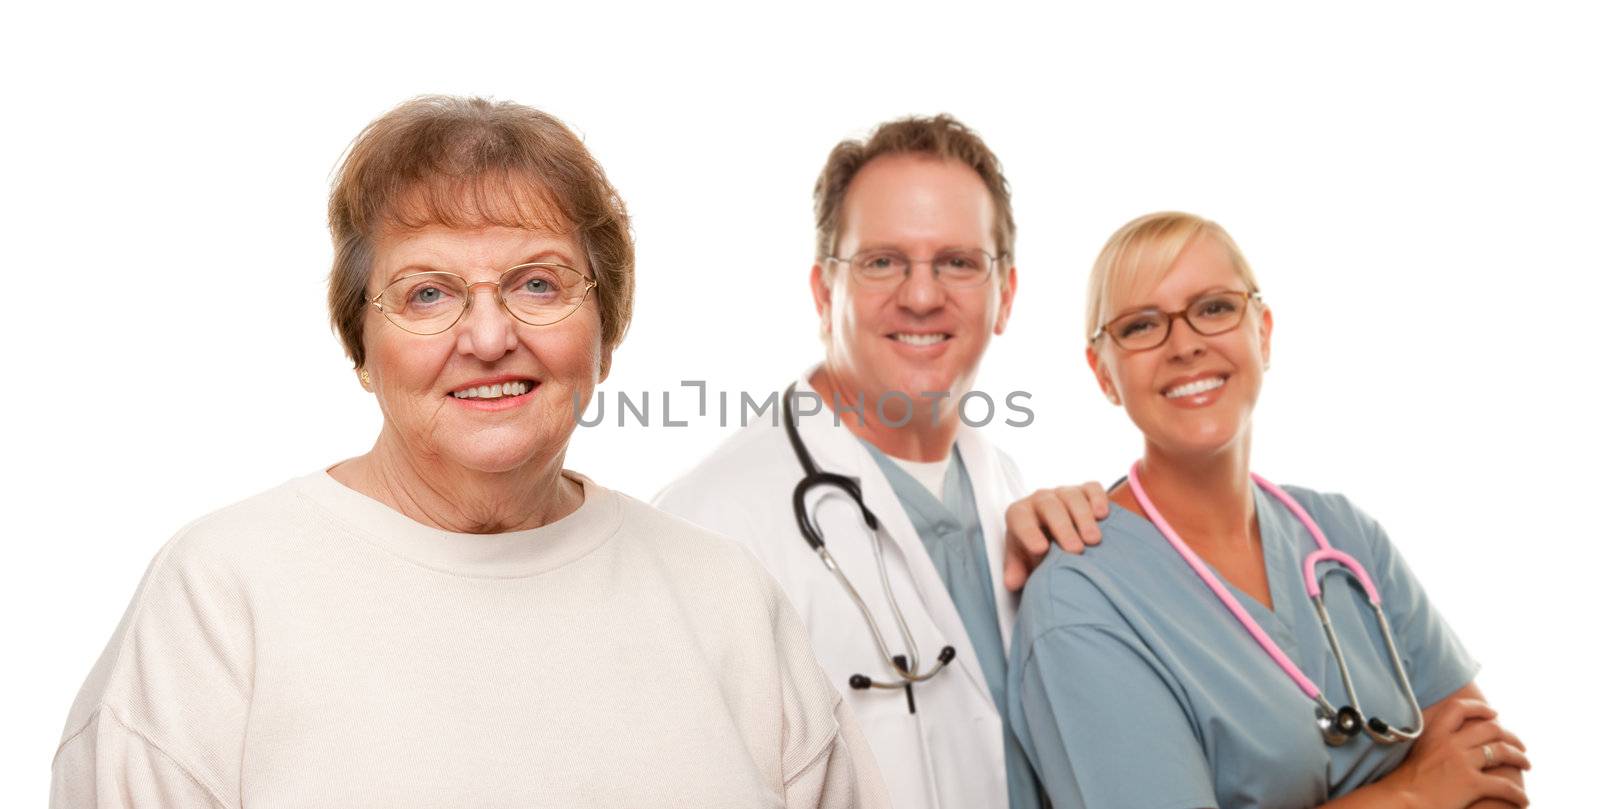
[[921, 345], [922, 339]]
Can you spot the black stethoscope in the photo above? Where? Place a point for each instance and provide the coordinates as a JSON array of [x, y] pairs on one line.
[[907, 667]]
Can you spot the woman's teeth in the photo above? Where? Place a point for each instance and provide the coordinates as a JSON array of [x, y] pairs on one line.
[[921, 339], [1196, 387], [493, 391]]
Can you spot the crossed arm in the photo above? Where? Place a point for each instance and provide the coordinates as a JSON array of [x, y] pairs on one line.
[[1464, 760]]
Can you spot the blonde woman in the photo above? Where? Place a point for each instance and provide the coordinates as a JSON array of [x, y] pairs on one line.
[[1181, 663]]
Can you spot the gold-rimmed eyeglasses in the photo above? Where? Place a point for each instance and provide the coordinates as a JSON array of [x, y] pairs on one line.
[[538, 293], [1209, 314], [886, 269]]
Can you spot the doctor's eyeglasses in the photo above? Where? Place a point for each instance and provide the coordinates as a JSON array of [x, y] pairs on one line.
[[885, 269], [1210, 314], [538, 294]]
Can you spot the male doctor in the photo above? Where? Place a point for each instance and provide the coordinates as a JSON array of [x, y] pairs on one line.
[[913, 275]]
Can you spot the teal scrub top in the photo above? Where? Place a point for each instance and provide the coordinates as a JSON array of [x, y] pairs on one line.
[[952, 530], [1132, 685]]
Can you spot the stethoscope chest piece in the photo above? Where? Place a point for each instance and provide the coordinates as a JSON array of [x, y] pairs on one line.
[[1339, 726]]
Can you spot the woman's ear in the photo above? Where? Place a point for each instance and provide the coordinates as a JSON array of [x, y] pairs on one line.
[[1264, 332], [1102, 374]]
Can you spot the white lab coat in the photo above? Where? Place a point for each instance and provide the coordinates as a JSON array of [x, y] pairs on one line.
[[949, 754]]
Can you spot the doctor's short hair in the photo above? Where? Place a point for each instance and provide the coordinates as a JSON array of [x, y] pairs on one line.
[[1144, 250], [466, 162], [940, 136]]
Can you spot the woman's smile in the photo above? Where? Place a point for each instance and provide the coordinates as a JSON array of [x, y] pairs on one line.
[[495, 394], [1196, 390]]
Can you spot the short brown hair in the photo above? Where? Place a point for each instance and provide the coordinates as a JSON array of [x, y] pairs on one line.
[[940, 136], [471, 162]]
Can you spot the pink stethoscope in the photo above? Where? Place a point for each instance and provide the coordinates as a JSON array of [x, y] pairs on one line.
[[1338, 725]]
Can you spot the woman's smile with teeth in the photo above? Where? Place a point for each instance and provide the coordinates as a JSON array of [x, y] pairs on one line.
[[1196, 387], [920, 339], [493, 391]]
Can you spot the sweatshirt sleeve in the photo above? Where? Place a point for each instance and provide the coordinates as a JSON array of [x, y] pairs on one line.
[[826, 761], [843, 775], [107, 765], [160, 720]]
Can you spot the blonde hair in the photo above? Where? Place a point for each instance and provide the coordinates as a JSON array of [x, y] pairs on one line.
[[1143, 252], [470, 162]]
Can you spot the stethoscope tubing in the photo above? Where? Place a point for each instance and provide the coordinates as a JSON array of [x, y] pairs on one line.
[[908, 669], [1328, 715]]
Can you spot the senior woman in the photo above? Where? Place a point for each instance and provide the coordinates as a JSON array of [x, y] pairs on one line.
[[452, 619], [1181, 662]]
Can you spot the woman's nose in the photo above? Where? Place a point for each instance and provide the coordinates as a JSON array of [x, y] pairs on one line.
[[1184, 342], [487, 331]]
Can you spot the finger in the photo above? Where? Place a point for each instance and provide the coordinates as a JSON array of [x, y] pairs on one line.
[[1460, 711], [1505, 755], [1023, 521], [1077, 504], [1098, 499], [1059, 522], [1512, 739], [1491, 786], [1016, 573], [1477, 733]]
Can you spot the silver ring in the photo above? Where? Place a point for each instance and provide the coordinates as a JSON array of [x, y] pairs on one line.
[[1488, 756]]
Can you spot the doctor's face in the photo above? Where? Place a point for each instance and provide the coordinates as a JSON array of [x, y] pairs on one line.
[[1193, 394], [920, 335]]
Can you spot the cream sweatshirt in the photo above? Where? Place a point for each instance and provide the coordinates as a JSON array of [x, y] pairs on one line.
[[310, 647]]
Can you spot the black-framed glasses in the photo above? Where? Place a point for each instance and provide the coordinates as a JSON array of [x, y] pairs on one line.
[[1209, 314], [885, 269], [538, 293]]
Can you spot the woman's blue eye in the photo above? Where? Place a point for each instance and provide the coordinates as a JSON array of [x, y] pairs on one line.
[[538, 286], [427, 295]]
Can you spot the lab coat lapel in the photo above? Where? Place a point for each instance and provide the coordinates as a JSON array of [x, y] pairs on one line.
[[994, 486], [837, 450]]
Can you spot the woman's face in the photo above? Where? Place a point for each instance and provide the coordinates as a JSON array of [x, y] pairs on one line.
[[1193, 394], [416, 377]]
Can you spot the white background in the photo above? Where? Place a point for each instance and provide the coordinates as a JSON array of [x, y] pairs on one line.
[[1416, 186]]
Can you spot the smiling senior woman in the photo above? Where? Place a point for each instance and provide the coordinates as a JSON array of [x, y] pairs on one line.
[[452, 618]]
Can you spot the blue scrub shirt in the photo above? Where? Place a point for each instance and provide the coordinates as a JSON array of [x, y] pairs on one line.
[[952, 530], [1132, 685]]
